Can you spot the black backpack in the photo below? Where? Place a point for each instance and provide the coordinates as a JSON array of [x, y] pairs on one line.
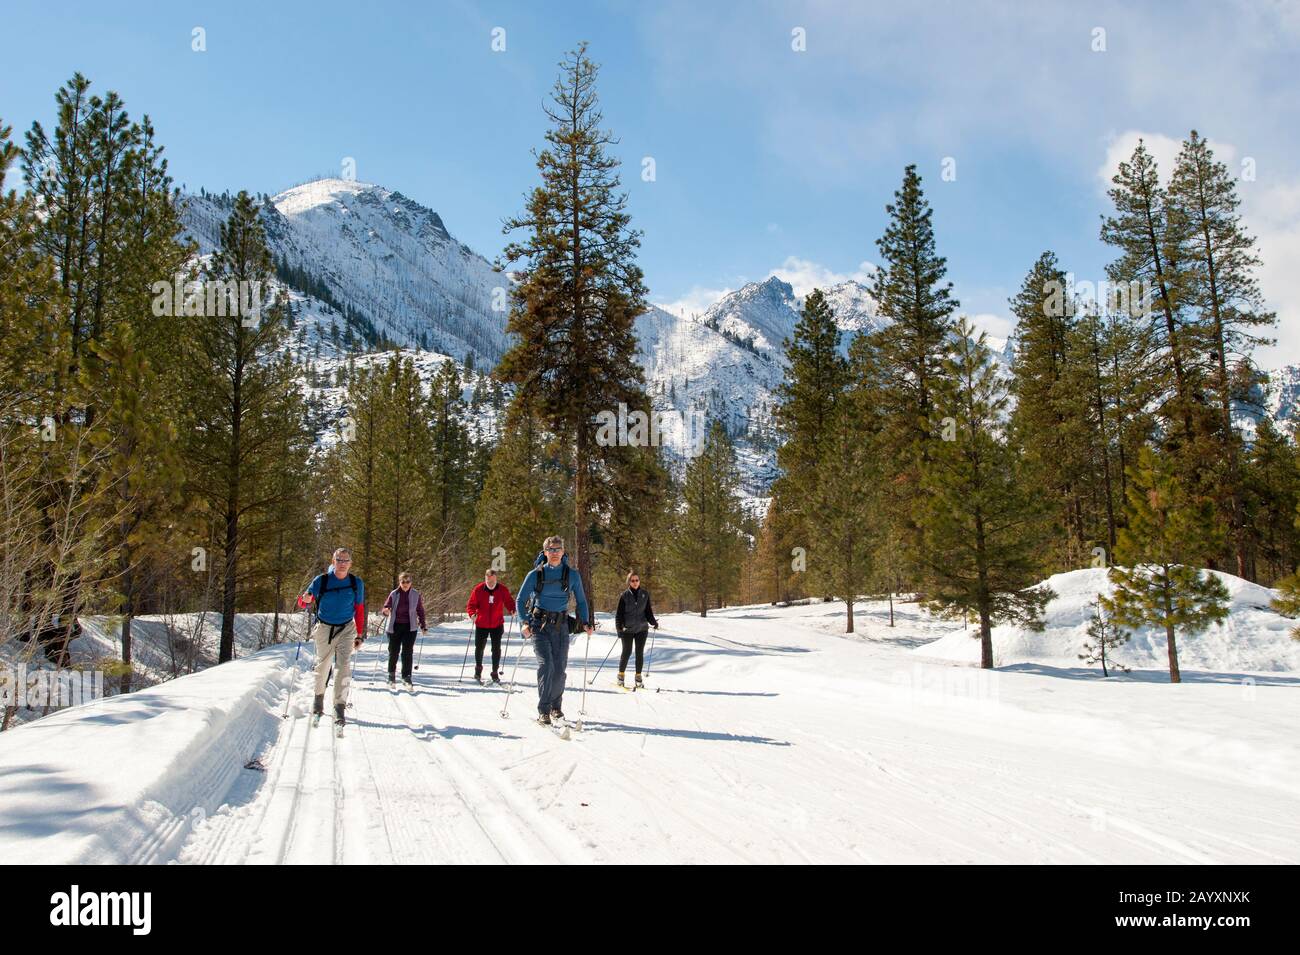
[[540, 569], [324, 586]]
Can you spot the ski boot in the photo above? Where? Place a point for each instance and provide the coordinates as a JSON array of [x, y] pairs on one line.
[[621, 684], [478, 675], [557, 716], [410, 686], [392, 681], [317, 709], [340, 718], [640, 683], [496, 678], [544, 719]]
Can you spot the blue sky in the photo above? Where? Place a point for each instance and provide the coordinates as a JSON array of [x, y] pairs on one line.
[[768, 160]]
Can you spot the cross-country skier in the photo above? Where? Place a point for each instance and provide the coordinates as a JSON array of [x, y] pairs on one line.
[[544, 617], [633, 620], [340, 598], [488, 604], [401, 609]]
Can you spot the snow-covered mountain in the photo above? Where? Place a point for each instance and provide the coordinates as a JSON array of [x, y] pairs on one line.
[[369, 269], [1282, 395], [383, 260]]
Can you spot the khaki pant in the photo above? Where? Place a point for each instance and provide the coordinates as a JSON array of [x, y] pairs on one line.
[[338, 652]]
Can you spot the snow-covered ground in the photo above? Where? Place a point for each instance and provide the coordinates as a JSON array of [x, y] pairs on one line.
[[766, 736], [1253, 637]]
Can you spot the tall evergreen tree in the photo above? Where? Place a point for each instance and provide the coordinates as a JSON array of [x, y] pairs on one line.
[[449, 467], [808, 413], [907, 354], [980, 522], [1219, 264], [1050, 420], [579, 293], [236, 391], [1149, 257]]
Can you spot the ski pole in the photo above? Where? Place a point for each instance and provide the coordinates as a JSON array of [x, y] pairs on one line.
[[606, 660], [288, 699], [505, 710], [461, 678], [420, 642], [306, 628], [649, 655], [582, 708]]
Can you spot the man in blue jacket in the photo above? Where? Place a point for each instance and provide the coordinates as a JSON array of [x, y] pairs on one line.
[[543, 600], [340, 598]]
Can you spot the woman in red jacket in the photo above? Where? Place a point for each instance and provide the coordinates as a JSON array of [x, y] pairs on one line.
[[488, 604]]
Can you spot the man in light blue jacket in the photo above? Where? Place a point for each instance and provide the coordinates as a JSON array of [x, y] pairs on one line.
[[543, 600]]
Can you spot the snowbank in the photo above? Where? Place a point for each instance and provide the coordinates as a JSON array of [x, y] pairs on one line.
[[1253, 639], [125, 779]]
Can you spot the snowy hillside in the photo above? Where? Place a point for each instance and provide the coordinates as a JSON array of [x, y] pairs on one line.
[[1282, 397], [384, 257], [1254, 638], [694, 373], [773, 739]]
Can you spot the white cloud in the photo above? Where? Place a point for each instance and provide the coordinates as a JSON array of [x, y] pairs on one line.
[[805, 275], [997, 326], [694, 302]]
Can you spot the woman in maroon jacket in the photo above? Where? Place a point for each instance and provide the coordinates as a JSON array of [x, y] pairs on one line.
[[402, 608], [488, 604]]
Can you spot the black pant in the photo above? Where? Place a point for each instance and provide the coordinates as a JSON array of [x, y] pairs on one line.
[[481, 635], [402, 638], [627, 639]]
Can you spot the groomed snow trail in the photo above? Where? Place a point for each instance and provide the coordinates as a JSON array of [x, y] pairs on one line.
[[764, 736]]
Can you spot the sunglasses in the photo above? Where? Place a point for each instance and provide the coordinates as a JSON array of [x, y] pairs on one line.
[[555, 550]]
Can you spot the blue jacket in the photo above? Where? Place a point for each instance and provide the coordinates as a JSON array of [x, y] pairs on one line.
[[552, 599], [335, 604]]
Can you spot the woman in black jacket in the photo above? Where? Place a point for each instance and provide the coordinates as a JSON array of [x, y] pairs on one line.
[[633, 620]]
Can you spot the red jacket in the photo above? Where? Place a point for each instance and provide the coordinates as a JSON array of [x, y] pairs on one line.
[[488, 607]]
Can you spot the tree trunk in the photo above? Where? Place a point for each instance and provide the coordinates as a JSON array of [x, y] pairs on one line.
[[1174, 675]]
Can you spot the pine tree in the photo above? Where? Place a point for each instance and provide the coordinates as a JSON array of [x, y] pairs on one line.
[[449, 471], [578, 296], [708, 546], [1103, 638], [1149, 257], [235, 391], [980, 523], [907, 354], [1272, 499], [808, 414], [28, 302], [521, 502], [1157, 581], [845, 504], [1218, 281], [1052, 422]]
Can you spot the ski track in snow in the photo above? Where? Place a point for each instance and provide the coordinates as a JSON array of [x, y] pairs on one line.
[[772, 741]]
